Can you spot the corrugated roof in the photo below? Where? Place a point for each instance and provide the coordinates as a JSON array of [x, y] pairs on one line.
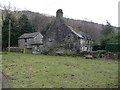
[[29, 35]]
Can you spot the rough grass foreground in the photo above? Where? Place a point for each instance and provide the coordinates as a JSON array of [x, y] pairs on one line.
[[41, 71]]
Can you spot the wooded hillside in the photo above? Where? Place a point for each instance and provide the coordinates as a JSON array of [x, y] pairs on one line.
[[41, 23]]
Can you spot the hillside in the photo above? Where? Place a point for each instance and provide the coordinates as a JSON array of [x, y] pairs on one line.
[[41, 23]]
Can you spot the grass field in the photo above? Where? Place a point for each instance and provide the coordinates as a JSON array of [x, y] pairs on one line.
[[41, 71]]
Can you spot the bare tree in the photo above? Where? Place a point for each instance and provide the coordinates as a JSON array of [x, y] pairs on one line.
[[40, 22], [5, 9]]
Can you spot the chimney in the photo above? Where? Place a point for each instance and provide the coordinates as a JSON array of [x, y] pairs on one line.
[[59, 14]]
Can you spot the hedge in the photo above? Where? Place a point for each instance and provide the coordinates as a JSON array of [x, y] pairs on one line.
[[113, 47]]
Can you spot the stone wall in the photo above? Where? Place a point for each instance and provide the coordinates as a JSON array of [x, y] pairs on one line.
[[26, 43], [60, 38]]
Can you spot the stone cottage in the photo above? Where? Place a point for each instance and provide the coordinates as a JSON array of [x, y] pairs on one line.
[[30, 40], [63, 39]]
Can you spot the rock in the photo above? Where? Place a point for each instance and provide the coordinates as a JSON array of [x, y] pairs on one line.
[[88, 56]]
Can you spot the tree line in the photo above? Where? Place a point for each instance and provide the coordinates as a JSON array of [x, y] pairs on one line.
[[18, 27], [28, 22], [108, 36]]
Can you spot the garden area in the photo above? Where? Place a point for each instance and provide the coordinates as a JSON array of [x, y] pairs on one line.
[[43, 71]]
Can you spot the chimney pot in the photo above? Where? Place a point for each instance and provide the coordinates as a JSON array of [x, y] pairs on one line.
[[59, 13]]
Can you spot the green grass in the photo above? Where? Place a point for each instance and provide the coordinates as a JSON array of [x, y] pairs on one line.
[[41, 71]]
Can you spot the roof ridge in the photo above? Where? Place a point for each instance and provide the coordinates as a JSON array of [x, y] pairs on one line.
[[29, 35]]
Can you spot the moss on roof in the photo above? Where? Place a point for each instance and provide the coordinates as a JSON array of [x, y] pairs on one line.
[[77, 31]]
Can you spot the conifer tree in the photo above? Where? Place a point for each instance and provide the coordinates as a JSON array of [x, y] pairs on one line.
[[107, 35], [24, 24]]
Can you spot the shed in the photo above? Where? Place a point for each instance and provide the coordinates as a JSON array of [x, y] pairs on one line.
[[25, 40]]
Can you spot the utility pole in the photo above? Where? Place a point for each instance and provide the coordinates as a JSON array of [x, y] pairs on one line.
[[1, 20], [9, 35]]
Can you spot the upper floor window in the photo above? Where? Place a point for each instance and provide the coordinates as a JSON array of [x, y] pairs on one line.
[[25, 40], [68, 36]]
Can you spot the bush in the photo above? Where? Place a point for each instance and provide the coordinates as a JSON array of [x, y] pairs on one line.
[[97, 47], [113, 47]]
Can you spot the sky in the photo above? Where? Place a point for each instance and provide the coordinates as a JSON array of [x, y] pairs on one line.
[[97, 11]]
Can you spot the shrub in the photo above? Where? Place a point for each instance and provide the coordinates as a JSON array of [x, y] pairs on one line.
[[113, 47]]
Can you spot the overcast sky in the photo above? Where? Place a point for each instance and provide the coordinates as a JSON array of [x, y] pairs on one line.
[[97, 11]]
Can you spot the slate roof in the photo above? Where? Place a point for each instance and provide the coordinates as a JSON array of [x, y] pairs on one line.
[[29, 35], [77, 32]]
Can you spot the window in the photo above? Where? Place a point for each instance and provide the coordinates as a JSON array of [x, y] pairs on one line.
[[71, 45], [25, 40], [68, 36]]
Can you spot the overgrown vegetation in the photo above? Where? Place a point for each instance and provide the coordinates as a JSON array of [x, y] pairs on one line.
[[17, 27], [27, 21], [113, 47], [41, 71], [108, 36]]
